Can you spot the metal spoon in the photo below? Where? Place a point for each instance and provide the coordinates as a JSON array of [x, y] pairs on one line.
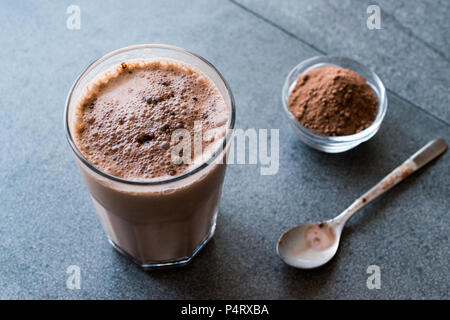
[[312, 245]]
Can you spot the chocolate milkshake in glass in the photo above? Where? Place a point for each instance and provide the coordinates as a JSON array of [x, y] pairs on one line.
[[120, 118]]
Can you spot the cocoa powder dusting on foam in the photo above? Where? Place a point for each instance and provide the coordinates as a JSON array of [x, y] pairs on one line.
[[333, 101], [124, 123]]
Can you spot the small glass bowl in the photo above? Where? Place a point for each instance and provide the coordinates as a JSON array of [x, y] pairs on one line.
[[334, 144]]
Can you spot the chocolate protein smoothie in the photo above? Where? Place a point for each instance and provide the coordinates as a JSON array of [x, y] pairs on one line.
[[125, 122], [155, 206]]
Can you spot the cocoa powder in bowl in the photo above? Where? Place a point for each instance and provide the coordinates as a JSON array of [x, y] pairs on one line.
[[333, 101]]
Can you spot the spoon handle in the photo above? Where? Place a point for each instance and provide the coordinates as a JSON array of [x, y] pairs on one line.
[[430, 151]]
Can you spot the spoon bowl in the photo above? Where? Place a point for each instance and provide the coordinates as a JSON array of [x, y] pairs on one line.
[[309, 245]]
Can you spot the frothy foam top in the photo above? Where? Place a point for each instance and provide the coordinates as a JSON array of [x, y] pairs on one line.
[[126, 117]]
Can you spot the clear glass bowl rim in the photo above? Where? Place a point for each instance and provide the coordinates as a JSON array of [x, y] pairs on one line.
[[314, 62], [217, 153]]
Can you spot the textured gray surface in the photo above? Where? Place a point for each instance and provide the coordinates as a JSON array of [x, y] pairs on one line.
[[410, 52], [48, 222]]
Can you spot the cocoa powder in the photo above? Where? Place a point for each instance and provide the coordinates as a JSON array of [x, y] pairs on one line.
[[333, 101]]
